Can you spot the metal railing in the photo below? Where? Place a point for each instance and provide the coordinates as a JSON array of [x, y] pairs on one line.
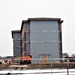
[[42, 64], [50, 63]]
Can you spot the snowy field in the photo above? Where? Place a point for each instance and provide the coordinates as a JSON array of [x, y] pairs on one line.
[[40, 72]]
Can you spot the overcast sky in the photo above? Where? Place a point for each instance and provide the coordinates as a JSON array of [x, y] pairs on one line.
[[12, 12]]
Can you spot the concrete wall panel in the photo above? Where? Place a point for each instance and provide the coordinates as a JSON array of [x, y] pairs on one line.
[[44, 38]]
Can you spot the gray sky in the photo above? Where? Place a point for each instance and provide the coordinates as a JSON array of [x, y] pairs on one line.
[[12, 12]]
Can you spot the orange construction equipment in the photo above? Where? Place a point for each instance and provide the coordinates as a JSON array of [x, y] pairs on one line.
[[27, 58], [24, 59]]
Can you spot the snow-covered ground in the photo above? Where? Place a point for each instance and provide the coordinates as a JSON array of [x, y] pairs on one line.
[[39, 72]]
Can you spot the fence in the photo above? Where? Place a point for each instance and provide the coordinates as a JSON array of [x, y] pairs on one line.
[[52, 65], [63, 65]]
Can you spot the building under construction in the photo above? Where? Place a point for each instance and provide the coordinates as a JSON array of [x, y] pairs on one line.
[[38, 37]]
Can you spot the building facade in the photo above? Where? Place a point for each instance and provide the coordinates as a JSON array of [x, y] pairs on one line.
[[39, 37], [16, 35]]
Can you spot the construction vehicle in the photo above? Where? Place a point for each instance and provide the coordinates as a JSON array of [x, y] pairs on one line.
[[24, 59]]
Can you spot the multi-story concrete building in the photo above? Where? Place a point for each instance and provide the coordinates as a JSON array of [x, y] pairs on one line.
[[16, 35], [39, 37]]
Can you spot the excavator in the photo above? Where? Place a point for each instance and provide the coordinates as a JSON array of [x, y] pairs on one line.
[[24, 59]]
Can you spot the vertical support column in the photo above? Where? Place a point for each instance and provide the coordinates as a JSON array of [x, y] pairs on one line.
[[21, 47], [51, 66], [67, 66], [27, 38], [25, 43], [23, 36], [60, 39]]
